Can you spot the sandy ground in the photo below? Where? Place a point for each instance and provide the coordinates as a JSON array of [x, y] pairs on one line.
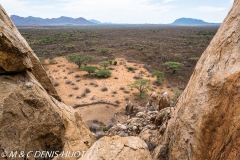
[[71, 84]]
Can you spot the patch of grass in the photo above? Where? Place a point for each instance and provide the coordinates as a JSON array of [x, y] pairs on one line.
[[194, 59]]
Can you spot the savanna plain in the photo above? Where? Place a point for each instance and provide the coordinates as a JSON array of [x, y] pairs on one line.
[[124, 55]]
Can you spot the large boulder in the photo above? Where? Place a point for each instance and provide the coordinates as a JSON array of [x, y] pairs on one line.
[[117, 148], [31, 118], [205, 123], [17, 56], [164, 101]]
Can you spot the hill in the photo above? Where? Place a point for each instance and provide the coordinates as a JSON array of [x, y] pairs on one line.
[[95, 21], [61, 21], [191, 21]]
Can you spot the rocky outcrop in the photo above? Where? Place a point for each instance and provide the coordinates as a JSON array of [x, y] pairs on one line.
[[164, 101], [146, 124], [160, 102], [129, 108], [205, 123], [116, 148], [17, 56], [31, 119]]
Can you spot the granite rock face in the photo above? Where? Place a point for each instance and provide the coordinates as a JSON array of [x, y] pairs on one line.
[[31, 117], [205, 123], [17, 56], [116, 148]]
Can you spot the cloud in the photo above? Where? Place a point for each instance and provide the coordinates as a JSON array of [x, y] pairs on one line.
[[123, 11], [167, 1], [117, 11], [210, 9]]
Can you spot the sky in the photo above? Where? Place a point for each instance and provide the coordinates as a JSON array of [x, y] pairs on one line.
[[122, 11]]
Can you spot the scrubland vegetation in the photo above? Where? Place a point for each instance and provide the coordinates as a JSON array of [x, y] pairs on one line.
[[156, 47]]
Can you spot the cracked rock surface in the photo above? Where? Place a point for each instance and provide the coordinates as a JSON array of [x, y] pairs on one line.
[[205, 124], [118, 148], [31, 117]]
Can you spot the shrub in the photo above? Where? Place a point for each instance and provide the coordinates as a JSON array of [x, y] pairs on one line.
[[70, 46], [105, 64], [103, 50], [110, 62], [173, 65], [52, 61], [68, 82], [150, 55], [194, 58], [159, 76], [180, 78], [41, 59], [130, 68], [142, 85], [89, 69], [103, 73], [55, 84], [104, 89], [78, 59], [92, 49], [87, 90], [77, 76], [115, 63], [104, 129], [75, 88]]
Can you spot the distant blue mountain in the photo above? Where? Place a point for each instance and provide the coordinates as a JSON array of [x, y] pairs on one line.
[[95, 21], [61, 21], [191, 21]]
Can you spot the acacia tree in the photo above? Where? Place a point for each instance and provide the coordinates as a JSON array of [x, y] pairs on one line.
[[103, 50], [105, 64], [175, 66], [89, 69], [142, 85], [78, 59], [159, 76]]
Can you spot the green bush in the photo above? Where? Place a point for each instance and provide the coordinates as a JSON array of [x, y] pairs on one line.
[[130, 68], [159, 76], [110, 62], [103, 50], [104, 129], [103, 73], [173, 65], [115, 63], [89, 69], [105, 64], [142, 85], [78, 59], [70, 46]]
